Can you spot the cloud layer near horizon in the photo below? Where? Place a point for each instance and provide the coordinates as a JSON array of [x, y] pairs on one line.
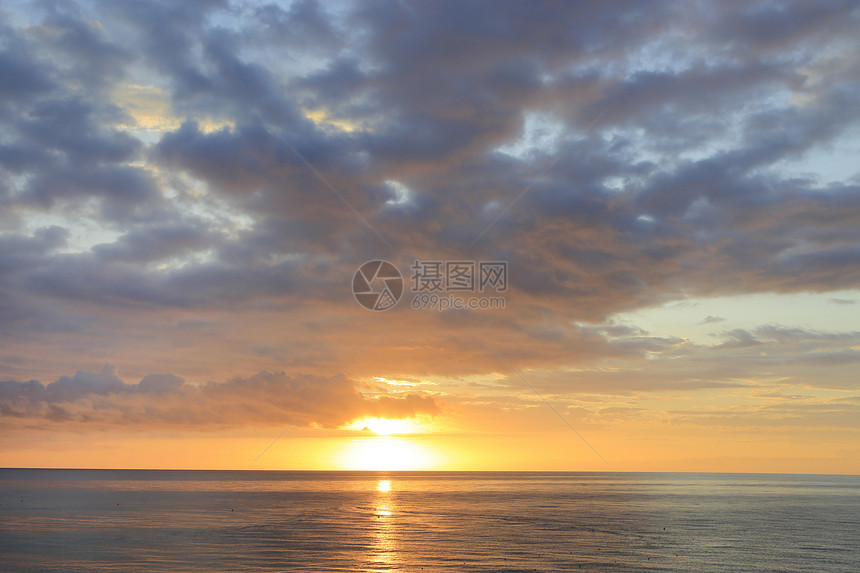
[[103, 400], [189, 188]]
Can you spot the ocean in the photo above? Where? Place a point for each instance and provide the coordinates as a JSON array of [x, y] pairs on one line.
[[204, 521]]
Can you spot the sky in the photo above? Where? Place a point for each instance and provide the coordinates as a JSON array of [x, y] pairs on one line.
[[669, 193]]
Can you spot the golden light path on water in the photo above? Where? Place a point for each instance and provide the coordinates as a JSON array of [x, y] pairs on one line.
[[384, 549]]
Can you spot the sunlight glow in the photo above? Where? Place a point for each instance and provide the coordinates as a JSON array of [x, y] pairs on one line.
[[386, 453], [149, 113], [321, 117]]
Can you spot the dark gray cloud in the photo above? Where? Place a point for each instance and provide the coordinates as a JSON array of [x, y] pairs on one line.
[[22, 251], [103, 400], [158, 241], [662, 172]]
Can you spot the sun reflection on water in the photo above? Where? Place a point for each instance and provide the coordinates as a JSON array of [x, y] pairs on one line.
[[384, 550]]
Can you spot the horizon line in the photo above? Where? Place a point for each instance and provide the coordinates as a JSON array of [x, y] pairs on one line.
[[425, 471]]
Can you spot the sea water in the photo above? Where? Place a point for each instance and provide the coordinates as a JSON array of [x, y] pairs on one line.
[[131, 520]]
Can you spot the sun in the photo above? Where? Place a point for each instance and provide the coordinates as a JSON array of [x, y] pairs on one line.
[[385, 453], [387, 444]]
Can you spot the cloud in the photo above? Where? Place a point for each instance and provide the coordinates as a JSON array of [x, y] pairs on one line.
[[810, 415], [160, 401], [670, 170]]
